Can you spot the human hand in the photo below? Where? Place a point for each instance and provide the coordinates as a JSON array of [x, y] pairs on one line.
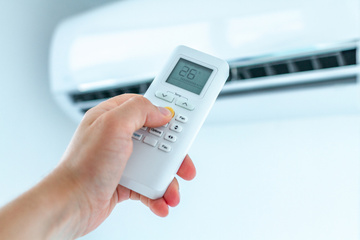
[[98, 153], [83, 190]]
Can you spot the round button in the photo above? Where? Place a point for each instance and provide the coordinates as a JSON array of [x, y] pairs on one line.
[[171, 110]]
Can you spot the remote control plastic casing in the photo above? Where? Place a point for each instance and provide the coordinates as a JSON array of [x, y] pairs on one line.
[[150, 170]]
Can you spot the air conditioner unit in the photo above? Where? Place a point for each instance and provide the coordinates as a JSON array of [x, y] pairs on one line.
[[287, 58]]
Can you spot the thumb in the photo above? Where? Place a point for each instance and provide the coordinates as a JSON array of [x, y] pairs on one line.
[[137, 112]]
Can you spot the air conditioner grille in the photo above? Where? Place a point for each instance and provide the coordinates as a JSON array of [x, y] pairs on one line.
[[108, 93], [293, 65], [240, 71]]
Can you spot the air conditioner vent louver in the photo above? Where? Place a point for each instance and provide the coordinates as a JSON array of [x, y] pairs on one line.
[[108, 93], [293, 65], [245, 71]]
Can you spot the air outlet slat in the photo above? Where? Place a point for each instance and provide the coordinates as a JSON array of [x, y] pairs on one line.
[[257, 71], [311, 62], [303, 65], [349, 56], [328, 62], [108, 93], [242, 72], [241, 75], [279, 68]]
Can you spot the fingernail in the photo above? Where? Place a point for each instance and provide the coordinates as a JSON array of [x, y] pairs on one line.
[[164, 111]]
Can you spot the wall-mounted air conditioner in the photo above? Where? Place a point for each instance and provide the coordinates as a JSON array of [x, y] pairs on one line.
[[287, 58]]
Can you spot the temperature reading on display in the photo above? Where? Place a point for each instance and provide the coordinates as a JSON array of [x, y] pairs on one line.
[[185, 72], [189, 76]]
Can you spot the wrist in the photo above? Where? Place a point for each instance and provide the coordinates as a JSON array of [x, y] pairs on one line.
[[69, 206], [50, 210], [60, 198]]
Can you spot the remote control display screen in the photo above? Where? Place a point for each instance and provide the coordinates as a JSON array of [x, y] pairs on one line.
[[189, 76]]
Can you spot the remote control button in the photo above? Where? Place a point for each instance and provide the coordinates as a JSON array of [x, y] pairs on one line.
[[184, 104], [144, 128], [175, 127], [137, 136], [171, 110], [164, 147], [156, 132], [165, 96], [181, 118], [150, 141], [170, 137]]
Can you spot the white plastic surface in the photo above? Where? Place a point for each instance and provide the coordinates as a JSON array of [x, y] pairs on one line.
[[150, 169], [124, 44]]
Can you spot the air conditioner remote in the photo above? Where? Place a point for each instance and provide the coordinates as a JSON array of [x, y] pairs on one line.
[[189, 84]]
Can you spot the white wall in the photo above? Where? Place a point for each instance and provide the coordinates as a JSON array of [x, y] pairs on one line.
[[33, 130]]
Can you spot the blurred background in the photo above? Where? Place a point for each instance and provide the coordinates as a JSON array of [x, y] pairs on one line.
[[278, 157]]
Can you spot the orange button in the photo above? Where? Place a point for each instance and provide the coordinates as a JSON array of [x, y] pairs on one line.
[[171, 110]]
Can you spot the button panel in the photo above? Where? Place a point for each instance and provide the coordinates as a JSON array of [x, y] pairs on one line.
[[164, 138]]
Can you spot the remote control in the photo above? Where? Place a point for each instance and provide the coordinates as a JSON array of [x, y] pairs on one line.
[[188, 85]]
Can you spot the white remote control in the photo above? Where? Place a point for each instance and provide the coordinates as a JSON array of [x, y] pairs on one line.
[[189, 84]]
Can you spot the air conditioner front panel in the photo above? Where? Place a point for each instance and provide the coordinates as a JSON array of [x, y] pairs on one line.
[[114, 50], [322, 101], [125, 40]]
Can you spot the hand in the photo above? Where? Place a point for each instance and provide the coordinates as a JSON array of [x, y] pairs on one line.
[[83, 190], [99, 152]]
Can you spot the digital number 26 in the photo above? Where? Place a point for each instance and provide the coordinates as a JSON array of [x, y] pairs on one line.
[[187, 72]]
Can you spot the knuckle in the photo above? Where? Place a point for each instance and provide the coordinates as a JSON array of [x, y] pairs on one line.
[[89, 112], [139, 100], [89, 116], [110, 122]]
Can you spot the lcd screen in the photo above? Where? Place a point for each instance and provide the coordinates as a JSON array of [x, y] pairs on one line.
[[189, 76]]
